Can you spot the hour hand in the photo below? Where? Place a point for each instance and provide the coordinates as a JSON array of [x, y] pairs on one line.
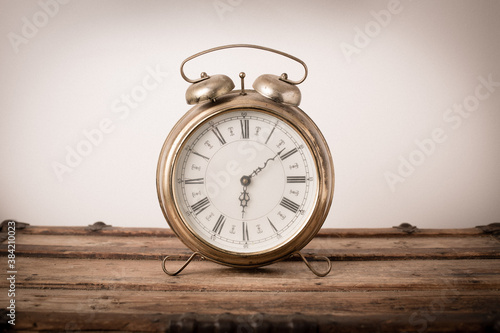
[[244, 198]]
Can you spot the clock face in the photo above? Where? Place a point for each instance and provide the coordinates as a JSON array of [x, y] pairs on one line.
[[245, 181]]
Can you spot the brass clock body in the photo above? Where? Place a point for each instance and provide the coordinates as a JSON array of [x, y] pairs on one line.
[[186, 217], [245, 178]]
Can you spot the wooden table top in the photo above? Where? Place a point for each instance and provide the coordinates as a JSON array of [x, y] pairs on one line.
[[100, 278]]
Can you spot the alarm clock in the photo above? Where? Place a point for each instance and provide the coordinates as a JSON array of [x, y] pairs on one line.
[[245, 178]]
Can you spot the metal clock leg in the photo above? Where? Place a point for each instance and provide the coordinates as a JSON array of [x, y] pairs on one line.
[[183, 266], [315, 271]]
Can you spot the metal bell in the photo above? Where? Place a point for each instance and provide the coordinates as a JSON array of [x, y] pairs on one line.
[[276, 88], [208, 88]]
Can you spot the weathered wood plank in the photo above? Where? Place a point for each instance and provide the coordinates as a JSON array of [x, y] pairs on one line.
[[261, 322], [79, 252], [153, 311], [359, 248], [325, 232], [322, 242], [308, 303], [287, 276]]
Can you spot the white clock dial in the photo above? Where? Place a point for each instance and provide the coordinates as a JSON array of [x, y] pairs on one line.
[[246, 181]]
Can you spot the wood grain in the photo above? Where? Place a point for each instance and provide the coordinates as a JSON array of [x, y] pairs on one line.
[[88, 274], [459, 245], [383, 280], [416, 307]]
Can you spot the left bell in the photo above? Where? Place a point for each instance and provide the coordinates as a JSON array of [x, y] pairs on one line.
[[208, 88]]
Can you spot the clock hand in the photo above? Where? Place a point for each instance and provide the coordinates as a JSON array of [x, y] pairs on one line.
[[259, 169], [244, 198], [245, 181]]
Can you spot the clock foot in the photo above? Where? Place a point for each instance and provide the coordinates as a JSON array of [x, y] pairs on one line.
[[183, 266], [315, 271]]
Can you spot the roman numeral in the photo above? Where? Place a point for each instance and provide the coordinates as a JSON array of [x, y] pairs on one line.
[[245, 128], [290, 153], [219, 136], [290, 205], [219, 224], [198, 154], [245, 231], [194, 181], [200, 206], [295, 179]]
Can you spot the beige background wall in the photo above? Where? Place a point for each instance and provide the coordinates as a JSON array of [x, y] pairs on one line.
[[407, 94]]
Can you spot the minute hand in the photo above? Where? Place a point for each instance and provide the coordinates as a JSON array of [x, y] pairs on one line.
[[259, 169]]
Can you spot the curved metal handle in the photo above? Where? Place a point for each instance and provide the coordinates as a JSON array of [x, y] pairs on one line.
[[283, 76]]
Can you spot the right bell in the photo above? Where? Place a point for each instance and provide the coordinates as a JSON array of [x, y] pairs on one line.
[[276, 88]]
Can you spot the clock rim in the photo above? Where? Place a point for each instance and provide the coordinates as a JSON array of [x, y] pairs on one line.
[[251, 100]]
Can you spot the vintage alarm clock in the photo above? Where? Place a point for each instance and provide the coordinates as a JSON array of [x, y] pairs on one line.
[[245, 178]]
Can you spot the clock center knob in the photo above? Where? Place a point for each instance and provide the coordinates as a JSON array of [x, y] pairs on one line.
[[245, 180]]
